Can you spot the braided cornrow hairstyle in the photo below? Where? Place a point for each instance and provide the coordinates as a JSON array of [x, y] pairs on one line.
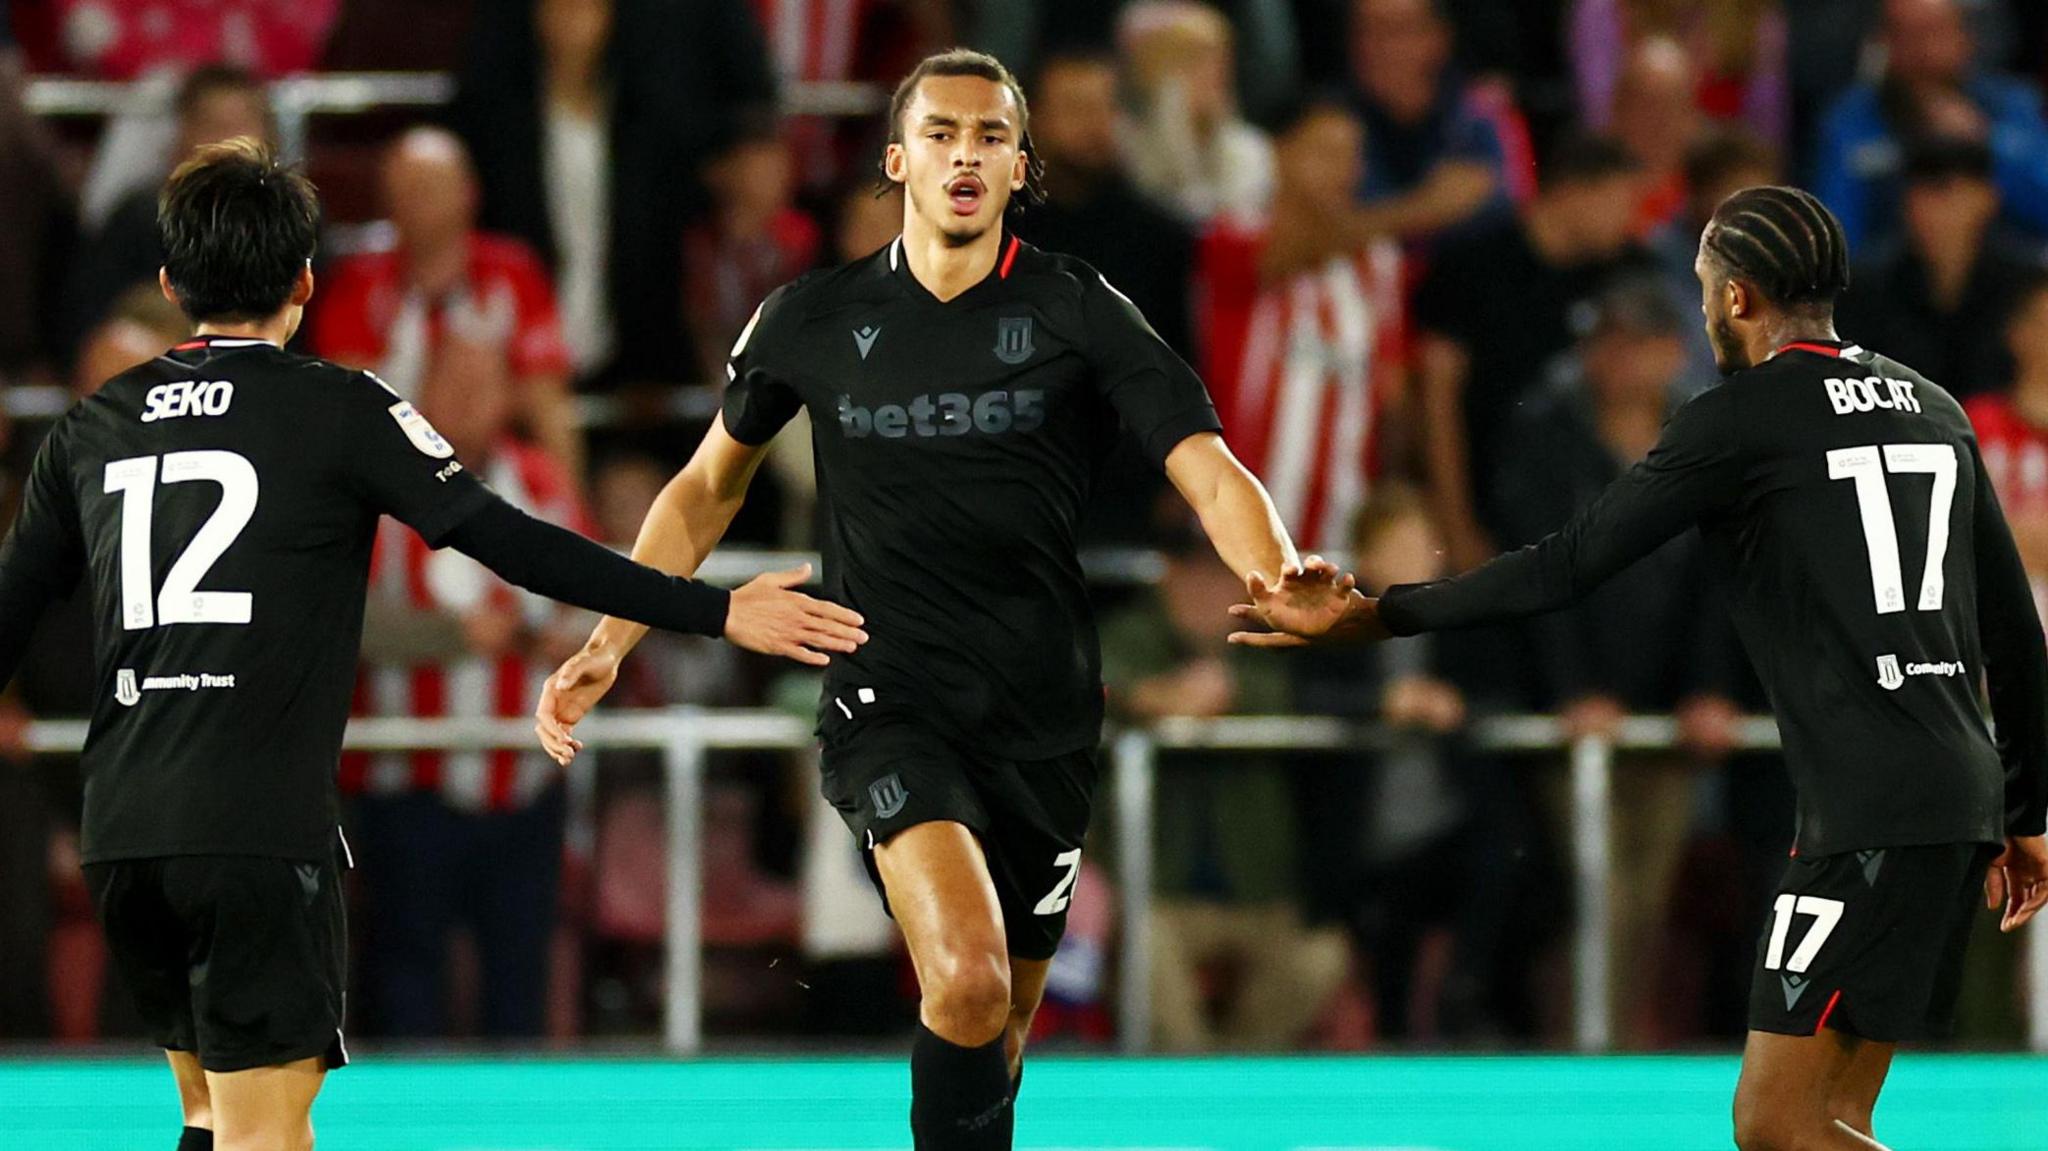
[[1783, 241]]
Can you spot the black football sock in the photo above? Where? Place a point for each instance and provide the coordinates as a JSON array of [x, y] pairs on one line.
[[959, 1096], [196, 1139]]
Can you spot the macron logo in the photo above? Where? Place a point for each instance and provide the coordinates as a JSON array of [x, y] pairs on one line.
[[864, 339]]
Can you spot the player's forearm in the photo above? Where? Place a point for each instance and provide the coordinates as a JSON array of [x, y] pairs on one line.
[[688, 519], [1235, 510], [563, 566]]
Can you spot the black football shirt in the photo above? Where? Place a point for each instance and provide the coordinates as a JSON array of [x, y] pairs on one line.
[[956, 443], [221, 502], [1871, 575]]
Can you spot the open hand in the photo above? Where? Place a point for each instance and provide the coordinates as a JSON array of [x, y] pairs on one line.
[[569, 695], [768, 616], [1314, 601], [2018, 879]]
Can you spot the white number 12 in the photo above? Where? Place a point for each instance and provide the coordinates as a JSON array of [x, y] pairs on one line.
[[180, 602], [1867, 466]]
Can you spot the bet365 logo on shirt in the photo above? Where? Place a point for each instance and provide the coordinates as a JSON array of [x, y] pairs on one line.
[[992, 413]]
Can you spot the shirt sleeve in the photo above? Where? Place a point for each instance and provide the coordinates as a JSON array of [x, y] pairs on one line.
[[1694, 470], [43, 555], [758, 402], [398, 463], [2015, 662], [1161, 399]]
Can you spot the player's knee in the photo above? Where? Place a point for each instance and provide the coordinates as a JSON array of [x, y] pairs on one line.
[[967, 996]]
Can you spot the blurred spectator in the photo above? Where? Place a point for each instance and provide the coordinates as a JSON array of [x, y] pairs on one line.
[[449, 300], [2012, 432], [469, 838], [120, 41], [1641, 643], [399, 35], [1268, 36], [1189, 147], [754, 241], [1929, 88], [1442, 152], [1303, 330], [843, 41], [36, 241], [1091, 208], [1719, 164], [1399, 841], [212, 104], [591, 122], [1493, 310], [1737, 50], [1939, 301], [1225, 870], [139, 327], [1654, 117]]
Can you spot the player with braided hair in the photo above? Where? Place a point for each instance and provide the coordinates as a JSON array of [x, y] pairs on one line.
[[1875, 584]]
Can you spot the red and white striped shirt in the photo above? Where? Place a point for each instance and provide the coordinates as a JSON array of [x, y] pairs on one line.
[[503, 687], [1301, 371]]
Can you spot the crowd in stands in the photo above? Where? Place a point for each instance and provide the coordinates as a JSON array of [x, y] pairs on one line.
[[1434, 259]]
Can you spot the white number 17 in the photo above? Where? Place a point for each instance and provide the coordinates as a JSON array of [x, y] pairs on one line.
[[1867, 466]]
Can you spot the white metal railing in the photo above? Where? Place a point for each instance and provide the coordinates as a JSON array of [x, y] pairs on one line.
[[295, 100], [686, 735]]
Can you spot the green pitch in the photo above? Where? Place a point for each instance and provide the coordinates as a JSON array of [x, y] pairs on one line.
[[512, 1103]]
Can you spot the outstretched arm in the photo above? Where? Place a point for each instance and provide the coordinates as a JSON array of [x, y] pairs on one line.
[[1234, 508], [1247, 533], [1694, 469], [687, 520]]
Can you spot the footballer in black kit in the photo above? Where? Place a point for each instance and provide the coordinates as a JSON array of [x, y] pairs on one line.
[[956, 443], [1876, 587], [962, 388], [221, 501]]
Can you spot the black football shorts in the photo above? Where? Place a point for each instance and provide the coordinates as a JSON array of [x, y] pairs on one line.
[[885, 770], [1870, 943], [240, 959]]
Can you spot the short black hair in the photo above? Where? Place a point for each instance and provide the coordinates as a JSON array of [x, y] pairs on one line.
[[1585, 158], [1783, 241], [236, 226], [968, 62]]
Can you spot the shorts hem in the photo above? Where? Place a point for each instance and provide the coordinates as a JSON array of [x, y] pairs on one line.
[[332, 1053]]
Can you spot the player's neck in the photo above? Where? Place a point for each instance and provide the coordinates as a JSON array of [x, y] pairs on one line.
[[275, 329], [945, 269], [1771, 336]]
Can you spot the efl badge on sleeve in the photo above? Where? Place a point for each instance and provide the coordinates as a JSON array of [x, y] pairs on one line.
[[419, 431]]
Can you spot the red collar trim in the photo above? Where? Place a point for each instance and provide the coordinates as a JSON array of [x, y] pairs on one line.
[[1816, 349], [1009, 257]]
